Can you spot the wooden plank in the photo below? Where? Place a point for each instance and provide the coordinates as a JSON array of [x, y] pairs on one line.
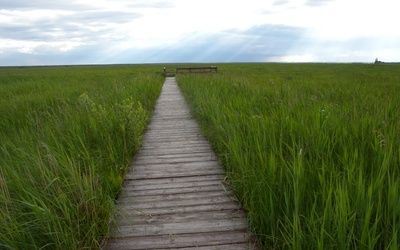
[[182, 145], [219, 247], [153, 184], [165, 181], [176, 147], [176, 136], [172, 126], [178, 157], [171, 145], [131, 202], [175, 197], [171, 189], [184, 131], [180, 190], [164, 153], [207, 240], [187, 227], [177, 166], [172, 173], [168, 170], [145, 219], [167, 151], [228, 206], [196, 139], [183, 158], [182, 161]]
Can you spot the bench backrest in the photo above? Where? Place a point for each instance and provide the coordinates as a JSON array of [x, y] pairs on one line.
[[171, 71]]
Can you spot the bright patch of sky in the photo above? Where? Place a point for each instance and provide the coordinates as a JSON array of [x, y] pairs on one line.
[[48, 32]]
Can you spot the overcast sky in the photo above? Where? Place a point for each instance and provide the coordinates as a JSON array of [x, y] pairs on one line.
[[50, 32]]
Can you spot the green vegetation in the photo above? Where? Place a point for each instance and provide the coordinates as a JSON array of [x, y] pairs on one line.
[[67, 135], [312, 150]]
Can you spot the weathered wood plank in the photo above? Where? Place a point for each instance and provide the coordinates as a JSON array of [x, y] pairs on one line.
[[223, 207], [174, 133], [180, 139], [180, 144], [172, 173], [178, 157], [180, 165], [193, 180], [153, 185], [165, 123], [187, 227], [179, 160], [218, 247], [164, 149], [172, 170], [169, 133], [178, 190], [173, 130], [207, 240], [178, 199], [170, 151], [132, 204], [129, 220], [168, 170], [165, 170]]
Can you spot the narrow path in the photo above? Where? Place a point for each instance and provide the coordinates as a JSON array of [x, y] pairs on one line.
[[174, 195]]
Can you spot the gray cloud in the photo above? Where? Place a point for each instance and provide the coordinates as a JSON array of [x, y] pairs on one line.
[[77, 4], [84, 25], [88, 22], [42, 4]]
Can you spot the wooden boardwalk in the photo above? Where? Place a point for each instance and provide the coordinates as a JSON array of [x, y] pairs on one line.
[[174, 196]]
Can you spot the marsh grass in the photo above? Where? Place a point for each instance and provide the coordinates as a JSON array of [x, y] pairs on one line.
[[67, 137], [312, 150]]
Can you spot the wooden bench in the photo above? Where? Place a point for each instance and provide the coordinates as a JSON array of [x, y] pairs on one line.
[[170, 71]]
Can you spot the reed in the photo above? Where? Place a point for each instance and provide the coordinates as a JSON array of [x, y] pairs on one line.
[[67, 137]]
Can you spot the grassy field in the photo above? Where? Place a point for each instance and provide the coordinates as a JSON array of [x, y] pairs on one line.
[[312, 150], [67, 135]]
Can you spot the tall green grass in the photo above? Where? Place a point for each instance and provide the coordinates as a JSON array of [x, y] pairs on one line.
[[67, 135], [312, 150]]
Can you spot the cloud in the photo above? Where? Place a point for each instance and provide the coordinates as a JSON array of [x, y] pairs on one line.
[[280, 2], [25, 27], [318, 2], [56, 37], [42, 4], [80, 5]]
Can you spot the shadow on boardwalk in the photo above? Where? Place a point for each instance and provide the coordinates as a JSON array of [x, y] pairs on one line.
[[174, 195]]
